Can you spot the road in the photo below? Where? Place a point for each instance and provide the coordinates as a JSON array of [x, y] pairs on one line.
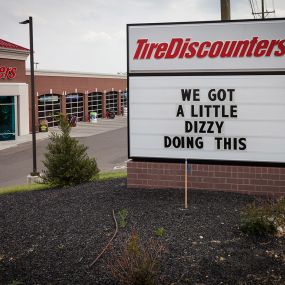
[[109, 149]]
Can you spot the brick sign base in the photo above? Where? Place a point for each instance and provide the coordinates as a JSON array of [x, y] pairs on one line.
[[252, 180]]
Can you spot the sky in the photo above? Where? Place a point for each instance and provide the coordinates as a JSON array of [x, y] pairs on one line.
[[90, 35]]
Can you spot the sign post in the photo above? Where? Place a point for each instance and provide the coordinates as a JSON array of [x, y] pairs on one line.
[[186, 186]]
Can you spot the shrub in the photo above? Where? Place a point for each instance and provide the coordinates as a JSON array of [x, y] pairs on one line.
[[264, 219], [66, 161], [137, 264]]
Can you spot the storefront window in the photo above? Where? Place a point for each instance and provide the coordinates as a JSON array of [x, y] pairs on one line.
[[7, 118]]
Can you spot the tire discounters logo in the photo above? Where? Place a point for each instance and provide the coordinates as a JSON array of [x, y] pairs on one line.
[[7, 72], [195, 47], [189, 48]]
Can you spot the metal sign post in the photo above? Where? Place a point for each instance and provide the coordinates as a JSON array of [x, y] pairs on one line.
[[186, 186]]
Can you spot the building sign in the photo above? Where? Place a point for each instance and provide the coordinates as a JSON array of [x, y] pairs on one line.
[[180, 107], [51, 98], [73, 97], [7, 72]]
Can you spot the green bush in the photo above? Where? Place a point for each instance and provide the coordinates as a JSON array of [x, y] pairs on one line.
[[66, 161], [264, 219]]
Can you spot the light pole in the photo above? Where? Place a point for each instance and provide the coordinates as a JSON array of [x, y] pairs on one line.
[[30, 22]]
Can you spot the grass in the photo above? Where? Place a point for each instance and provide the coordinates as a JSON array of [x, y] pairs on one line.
[[112, 175], [34, 187], [23, 188]]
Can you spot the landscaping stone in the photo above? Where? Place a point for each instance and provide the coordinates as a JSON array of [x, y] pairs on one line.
[[52, 236]]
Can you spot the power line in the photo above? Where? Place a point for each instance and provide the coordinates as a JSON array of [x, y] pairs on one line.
[[264, 12], [251, 6], [256, 5]]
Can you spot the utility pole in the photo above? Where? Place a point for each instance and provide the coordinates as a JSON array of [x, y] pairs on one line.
[[262, 9], [225, 10]]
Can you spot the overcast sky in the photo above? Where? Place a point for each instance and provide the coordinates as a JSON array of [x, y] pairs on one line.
[[90, 35]]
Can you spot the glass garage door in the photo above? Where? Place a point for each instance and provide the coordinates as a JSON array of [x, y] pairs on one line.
[[124, 99], [75, 106], [49, 109], [124, 103], [7, 118], [95, 103], [112, 101]]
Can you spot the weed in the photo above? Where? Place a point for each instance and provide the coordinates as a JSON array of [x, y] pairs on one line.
[[160, 232], [123, 218], [264, 219], [137, 264], [16, 282]]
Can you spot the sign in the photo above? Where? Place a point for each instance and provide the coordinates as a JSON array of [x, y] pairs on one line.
[[208, 118], [203, 47], [7, 72], [207, 91], [51, 98], [72, 97]]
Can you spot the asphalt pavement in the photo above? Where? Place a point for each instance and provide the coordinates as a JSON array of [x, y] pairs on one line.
[[106, 141]]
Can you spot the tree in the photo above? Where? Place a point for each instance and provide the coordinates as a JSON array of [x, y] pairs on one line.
[[66, 161]]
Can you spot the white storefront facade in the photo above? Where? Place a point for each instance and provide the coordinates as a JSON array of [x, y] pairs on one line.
[[14, 98]]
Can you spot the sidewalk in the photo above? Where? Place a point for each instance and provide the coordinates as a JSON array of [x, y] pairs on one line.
[[83, 129]]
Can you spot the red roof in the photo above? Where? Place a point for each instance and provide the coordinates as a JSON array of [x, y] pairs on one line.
[[8, 45]]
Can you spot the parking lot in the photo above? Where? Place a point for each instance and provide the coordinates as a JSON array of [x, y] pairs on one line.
[[106, 141]]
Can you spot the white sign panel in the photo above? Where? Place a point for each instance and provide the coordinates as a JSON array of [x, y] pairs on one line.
[[239, 118], [211, 47]]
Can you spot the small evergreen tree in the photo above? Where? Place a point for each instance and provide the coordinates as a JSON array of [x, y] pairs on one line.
[[66, 161]]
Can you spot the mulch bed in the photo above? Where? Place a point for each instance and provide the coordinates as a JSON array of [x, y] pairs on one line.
[[52, 236]]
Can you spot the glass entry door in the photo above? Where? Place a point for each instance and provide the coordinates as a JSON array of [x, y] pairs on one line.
[[7, 118]]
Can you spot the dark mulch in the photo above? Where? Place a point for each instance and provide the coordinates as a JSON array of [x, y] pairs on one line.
[[50, 237]]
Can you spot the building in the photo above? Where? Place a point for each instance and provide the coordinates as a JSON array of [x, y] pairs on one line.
[[14, 99], [70, 93]]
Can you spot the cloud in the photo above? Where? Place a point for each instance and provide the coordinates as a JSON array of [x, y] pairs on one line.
[[120, 35], [95, 30], [92, 36]]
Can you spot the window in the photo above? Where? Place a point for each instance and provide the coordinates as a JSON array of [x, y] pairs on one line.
[[49, 109], [112, 101], [95, 103], [75, 106]]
